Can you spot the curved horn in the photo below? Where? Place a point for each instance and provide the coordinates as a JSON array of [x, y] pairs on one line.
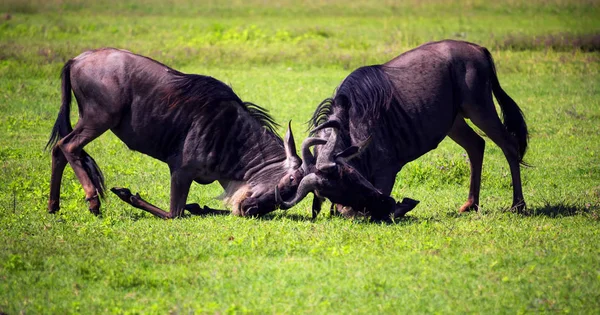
[[328, 124], [290, 148], [307, 157], [325, 160], [307, 185], [352, 151]]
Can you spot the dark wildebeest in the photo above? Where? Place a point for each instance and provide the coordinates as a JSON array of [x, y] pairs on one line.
[[405, 108], [196, 124]]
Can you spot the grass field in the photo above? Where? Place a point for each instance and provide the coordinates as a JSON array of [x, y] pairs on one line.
[[287, 58]]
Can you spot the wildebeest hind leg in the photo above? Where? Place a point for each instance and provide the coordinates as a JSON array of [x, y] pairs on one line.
[[59, 162], [72, 148], [462, 134], [489, 122]]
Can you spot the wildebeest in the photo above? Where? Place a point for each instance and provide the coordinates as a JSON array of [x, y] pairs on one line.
[[404, 108], [194, 123]]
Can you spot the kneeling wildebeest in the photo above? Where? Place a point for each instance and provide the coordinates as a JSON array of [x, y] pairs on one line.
[[405, 108], [194, 123]]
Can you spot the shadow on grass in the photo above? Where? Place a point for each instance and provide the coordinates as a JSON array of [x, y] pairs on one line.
[[278, 215], [563, 209], [551, 210], [357, 220]]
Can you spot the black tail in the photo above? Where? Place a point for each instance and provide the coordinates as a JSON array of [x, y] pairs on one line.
[[513, 118], [62, 127], [93, 171]]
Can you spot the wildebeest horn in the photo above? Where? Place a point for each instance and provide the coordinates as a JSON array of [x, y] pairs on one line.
[[290, 148], [325, 161], [307, 185], [353, 151], [328, 124], [307, 157]]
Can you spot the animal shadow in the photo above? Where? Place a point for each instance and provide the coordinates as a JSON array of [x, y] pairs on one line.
[[561, 209], [277, 215]]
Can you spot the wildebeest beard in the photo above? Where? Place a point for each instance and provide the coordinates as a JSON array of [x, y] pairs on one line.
[[256, 195]]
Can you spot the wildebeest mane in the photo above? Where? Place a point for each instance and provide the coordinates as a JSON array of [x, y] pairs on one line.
[[262, 115], [201, 90], [322, 113], [367, 91]]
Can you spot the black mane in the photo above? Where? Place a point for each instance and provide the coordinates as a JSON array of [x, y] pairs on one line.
[[261, 115], [322, 113], [368, 91], [203, 91]]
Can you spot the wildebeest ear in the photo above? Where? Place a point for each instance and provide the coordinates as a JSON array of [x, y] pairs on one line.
[[290, 148], [352, 151]]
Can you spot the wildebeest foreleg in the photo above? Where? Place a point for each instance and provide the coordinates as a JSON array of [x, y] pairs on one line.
[[316, 206], [180, 187], [405, 206], [137, 201], [385, 181], [195, 209], [467, 138]]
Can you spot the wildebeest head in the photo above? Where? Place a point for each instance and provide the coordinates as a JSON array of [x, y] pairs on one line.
[[286, 177], [330, 176]]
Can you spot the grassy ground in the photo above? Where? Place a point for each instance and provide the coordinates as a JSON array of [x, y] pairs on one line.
[[287, 58]]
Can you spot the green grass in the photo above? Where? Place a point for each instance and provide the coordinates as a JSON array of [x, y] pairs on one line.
[[288, 58]]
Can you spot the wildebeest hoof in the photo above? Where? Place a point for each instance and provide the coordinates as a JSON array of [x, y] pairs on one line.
[[519, 207], [123, 193], [405, 206], [195, 209], [53, 206], [468, 206], [94, 204]]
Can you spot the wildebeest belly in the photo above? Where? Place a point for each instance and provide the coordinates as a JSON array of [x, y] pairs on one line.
[[158, 135]]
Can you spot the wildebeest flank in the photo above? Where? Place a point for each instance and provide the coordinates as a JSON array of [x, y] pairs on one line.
[[194, 123], [406, 107]]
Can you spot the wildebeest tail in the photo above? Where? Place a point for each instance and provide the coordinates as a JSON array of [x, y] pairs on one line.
[[93, 171], [513, 118], [62, 126]]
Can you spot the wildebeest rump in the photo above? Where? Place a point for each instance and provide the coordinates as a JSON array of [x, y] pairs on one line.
[[406, 107], [194, 123]]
